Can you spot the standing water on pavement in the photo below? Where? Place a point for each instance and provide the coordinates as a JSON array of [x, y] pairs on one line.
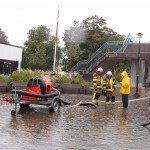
[[108, 127]]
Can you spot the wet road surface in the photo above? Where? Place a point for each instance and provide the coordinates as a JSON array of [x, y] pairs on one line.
[[108, 127]]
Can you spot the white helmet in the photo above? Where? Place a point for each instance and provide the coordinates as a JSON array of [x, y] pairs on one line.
[[100, 69], [109, 73]]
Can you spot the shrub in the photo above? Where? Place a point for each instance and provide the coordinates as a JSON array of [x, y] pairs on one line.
[[23, 75], [26, 75], [65, 79], [4, 78]]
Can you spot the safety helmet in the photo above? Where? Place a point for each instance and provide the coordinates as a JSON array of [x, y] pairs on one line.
[[100, 69], [109, 73]]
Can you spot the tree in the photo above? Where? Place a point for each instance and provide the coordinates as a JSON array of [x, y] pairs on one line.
[[123, 65], [3, 37], [97, 33], [83, 39], [72, 38], [39, 49]]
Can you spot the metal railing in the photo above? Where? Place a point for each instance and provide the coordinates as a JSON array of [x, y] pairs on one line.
[[96, 58]]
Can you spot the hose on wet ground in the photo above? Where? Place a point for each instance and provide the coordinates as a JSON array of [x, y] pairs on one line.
[[145, 124], [79, 103], [65, 103]]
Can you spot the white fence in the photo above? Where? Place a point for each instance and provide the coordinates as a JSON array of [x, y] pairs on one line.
[[68, 74]]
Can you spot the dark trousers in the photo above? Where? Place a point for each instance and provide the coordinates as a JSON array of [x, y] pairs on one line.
[[125, 100], [97, 96], [112, 99]]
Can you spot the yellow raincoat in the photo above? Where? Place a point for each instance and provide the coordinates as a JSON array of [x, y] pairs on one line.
[[125, 83]]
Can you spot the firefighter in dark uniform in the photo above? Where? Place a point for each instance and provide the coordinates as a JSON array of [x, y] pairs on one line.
[[109, 86], [97, 84]]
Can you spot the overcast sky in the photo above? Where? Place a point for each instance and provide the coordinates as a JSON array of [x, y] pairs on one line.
[[17, 17]]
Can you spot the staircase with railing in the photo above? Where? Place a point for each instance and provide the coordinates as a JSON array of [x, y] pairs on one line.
[[100, 56]]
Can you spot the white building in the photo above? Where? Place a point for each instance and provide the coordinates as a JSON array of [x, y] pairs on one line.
[[10, 58]]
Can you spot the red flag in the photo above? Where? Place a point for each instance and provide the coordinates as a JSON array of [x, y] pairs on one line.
[[56, 39]]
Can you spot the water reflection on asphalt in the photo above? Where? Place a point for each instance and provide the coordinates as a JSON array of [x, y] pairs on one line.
[[108, 127]]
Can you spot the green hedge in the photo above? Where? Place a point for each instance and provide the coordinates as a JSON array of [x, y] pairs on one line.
[[26, 75]]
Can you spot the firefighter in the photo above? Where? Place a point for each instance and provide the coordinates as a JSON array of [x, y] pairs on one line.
[[104, 85], [109, 85], [97, 84]]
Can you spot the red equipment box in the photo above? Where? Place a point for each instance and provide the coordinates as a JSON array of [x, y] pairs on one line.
[[35, 89]]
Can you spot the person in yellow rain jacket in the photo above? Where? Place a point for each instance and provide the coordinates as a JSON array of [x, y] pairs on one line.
[[109, 86], [97, 84], [125, 88]]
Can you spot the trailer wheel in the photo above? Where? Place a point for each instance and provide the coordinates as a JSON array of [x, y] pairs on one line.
[[56, 106], [24, 106], [13, 112]]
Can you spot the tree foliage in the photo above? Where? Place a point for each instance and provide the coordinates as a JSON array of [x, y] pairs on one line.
[[3, 37], [123, 65], [83, 39], [39, 49]]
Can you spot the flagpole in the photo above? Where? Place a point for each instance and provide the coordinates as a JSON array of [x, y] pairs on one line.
[[56, 39], [54, 58]]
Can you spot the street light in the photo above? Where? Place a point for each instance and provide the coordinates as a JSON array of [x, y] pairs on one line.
[[65, 62], [138, 67]]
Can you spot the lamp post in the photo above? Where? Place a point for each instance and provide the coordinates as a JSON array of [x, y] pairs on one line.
[[138, 67], [65, 62]]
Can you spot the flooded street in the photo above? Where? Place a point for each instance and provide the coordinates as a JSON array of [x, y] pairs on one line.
[[108, 127]]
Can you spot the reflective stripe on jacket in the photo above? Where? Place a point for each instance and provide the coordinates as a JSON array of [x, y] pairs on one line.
[[97, 81], [104, 84], [110, 85]]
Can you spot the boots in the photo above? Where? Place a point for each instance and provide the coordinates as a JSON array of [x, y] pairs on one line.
[[107, 100], [113, 100]]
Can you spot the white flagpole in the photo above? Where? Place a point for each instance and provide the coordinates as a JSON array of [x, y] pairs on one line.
[[54, 63], [54, 58]]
